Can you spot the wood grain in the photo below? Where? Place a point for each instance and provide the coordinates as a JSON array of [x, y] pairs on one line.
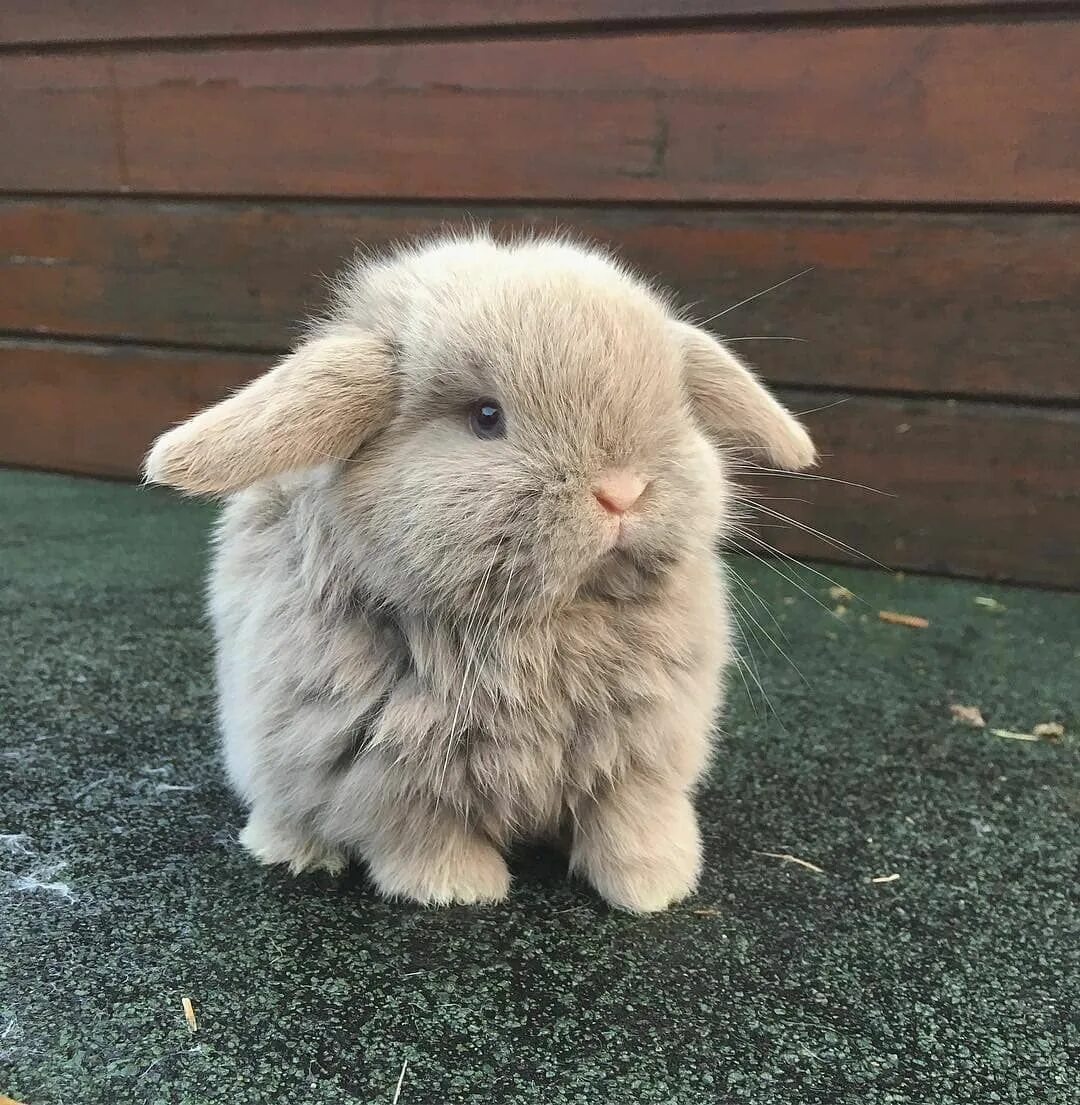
[[94, 409], [975, 488], [66, 21], [943, 113], [981, 305]]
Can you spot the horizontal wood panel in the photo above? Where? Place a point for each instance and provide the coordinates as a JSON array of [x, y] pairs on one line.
[[972, 113], [953, 304], [36, 21], [94, 409], [978, 488]]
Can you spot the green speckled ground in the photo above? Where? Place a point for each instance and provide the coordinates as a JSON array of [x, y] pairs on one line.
[[955, 983]]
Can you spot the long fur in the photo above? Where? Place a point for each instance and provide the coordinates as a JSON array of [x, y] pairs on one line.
[[429, 643]]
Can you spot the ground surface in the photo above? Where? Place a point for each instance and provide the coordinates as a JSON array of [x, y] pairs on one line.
[[122, 887]]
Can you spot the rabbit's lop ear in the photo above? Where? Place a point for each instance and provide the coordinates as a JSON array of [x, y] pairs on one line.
[[321, 402], [733, 406]]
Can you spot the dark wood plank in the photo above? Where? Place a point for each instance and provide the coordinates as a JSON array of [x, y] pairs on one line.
[[93, 409], [939, 303], [968, 112], [977, 489], [64, 21], [980, 489]]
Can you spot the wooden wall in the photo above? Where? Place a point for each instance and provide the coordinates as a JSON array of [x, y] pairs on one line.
[[176, 177]]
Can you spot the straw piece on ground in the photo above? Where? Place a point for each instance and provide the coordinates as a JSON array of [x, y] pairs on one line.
[[788, 858], [968, 715], [705, 912], [840, 594], [189, 1014], [988, 603], [1050, 731], [912, 621], [400, 1082], [886, 878]]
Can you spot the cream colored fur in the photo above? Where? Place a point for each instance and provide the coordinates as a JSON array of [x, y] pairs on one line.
[[430, 643]]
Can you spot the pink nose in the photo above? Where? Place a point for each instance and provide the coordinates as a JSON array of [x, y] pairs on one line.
[[617, 490]]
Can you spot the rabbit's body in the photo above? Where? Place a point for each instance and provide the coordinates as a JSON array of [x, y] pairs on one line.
[[497, 611], [512, 724]]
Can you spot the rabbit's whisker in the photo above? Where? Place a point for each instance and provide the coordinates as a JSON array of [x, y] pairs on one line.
[[751, 593], [833, 541], [762, 543], [783, 575], [747, 663], [764, 693], [768, 637], [477, 656], [824, 407], [753, 469], [739, 665], [763, 337], [473, 613], [501, 622], [757, 295]]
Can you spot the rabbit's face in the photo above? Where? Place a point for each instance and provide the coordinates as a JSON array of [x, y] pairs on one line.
[[543, 443], [510, 424]]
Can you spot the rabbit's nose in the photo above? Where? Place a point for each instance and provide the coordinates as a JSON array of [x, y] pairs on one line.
[[617, 490]]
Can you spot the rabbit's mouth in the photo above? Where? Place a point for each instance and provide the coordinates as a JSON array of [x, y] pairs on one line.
[[628, 573], [635, 539], [617, 532]]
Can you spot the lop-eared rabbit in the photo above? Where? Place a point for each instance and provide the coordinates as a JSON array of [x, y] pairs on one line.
[[466, 585]]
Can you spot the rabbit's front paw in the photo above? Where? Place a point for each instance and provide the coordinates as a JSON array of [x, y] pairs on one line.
[[645, 887], [640, 857], [466, 871], [271, 842]]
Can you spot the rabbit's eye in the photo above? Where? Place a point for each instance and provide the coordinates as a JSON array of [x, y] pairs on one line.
[[486, 419]]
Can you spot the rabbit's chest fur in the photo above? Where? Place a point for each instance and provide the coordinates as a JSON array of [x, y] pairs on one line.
[[334, 701], [556, 710]]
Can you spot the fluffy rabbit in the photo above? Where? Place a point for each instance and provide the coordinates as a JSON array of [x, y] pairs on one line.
[[465, 585]]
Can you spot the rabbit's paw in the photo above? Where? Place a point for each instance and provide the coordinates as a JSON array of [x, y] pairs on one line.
[[465, 871], [641, 865], [272, 842], [645, 887]]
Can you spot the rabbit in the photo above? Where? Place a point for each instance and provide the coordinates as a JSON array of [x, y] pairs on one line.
[[466, 586]]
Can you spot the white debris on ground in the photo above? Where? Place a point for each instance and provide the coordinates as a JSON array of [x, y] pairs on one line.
[[38, 873], [15, 844], [43, 879]]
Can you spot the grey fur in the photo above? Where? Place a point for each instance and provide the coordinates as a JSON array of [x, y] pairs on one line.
[[430, 644]]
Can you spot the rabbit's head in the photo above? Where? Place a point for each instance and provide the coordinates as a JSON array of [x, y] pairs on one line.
[[518, 421]]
